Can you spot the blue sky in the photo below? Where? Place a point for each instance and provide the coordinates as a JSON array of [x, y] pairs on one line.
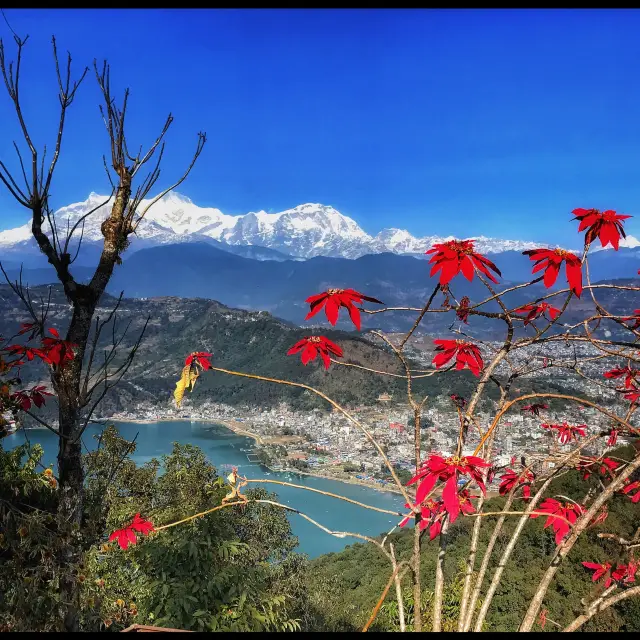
[[463, 122]]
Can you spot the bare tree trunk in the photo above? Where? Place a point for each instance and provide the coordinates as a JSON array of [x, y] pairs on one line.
[[438, 594]]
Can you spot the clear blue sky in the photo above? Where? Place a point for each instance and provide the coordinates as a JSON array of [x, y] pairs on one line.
[[494, 122]]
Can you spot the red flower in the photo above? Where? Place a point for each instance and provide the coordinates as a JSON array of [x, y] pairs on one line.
[[600, 570], [432, 513], [58, 351], [606, 225], [567, 432], [604, 467], [35, 395], [551, 260], [463, 310], [635, 317], [629, 374], [464, 499], [511, 479], [625, 573], [543, 617], [457, 256], [632, 486], [602, 515], [633, 395], [613, 437], [127, 535], [534, 409], [333, 299], [459, 401], [314, 345], [447, 469], [553, 509], [536, 310], [201, 357], [28, 326], [29, 352], [467, 354]]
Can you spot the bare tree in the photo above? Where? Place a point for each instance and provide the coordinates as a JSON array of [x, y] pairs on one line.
[[80, 383]]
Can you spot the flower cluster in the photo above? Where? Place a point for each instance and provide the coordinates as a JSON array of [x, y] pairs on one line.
[[467, 355], [567, 432], [512, 479], [605, 225], [458, 256], [448, 470], [534, 311], [559, 515], [602, 466], [127, 535], [623, 574]]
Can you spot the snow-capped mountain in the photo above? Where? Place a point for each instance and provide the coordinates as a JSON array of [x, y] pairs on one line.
[[305, 231]]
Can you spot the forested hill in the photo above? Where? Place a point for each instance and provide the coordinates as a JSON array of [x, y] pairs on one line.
[[246, 341], [251, 342]]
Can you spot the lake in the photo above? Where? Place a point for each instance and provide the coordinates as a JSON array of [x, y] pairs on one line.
[[222, 446]]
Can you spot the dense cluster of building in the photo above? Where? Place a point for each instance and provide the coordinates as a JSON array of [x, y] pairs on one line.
[[329, 442]]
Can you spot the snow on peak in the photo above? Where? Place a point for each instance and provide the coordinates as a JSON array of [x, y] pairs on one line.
[[630, 242], [307, 230]]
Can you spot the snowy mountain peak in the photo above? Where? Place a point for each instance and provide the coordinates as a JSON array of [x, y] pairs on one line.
[[305, 231]]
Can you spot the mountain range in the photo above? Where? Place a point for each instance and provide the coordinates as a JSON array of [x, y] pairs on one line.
[[306, 231], [200, 270]]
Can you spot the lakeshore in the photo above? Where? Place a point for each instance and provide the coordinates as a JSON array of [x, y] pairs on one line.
[[238, 428], [225, 448]]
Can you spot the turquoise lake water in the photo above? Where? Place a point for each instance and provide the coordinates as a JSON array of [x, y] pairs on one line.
[[222, 446]]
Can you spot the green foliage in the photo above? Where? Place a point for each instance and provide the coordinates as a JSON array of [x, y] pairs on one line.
[[231, 570], [364, 570], [389, 616]]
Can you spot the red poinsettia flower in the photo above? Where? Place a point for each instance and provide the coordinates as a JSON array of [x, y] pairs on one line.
[[29, 352], [600, 517], [28, 326], [542, 618], [58, 351], [534, 311], [589, 465], [613, 437], [635, 317], [457, 256], [605, 225], [467, 354], [311, 346], [551, 260], [625, 573], [201, 357], [569, 511], [127, 535], [600, 571], [632, 486], [432, 513], [463, 310], [629, 374], [22, 398], [633, 394], [511, 479], [534, 409], [36, 395], [333, 299], [466, 506], [447, 469], [459, 401], [567, 432]]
